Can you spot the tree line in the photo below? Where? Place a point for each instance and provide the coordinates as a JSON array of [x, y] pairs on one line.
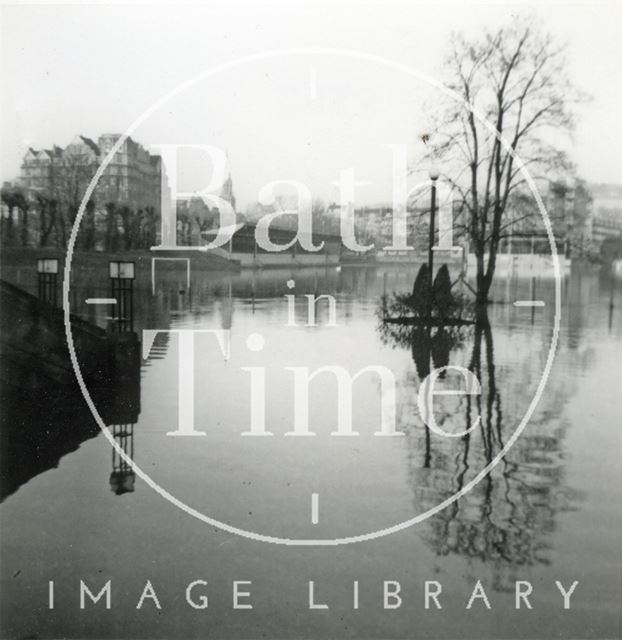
[[43, 220]]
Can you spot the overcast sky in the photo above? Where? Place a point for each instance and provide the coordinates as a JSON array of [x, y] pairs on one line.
[[92, 69]]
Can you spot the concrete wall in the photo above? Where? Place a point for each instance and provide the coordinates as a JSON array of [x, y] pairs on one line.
[[44, 415], [33, 347], [285, 259]]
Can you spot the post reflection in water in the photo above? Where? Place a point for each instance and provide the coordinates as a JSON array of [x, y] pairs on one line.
[[121, 414], [122, 476]]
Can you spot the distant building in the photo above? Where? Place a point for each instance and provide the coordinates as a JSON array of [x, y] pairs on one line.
[[374, 223], [134, 175], [132, 178], [123, 210], [196, 218], [569, 208], [39, 169], [605, 219]]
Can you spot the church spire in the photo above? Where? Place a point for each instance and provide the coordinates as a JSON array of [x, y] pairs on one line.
[[226, 191]]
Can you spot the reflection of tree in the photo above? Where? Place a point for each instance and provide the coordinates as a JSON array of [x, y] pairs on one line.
[[470, 527], [425, 342], [506, 520], [406, 321]]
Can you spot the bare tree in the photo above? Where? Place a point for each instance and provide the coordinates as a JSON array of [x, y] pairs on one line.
[[88, 228], [75, 173], [47, 209], [57, 201], [14, 199], [112, 227], [516, 78], [24, 207], [148, 239], [8, 198]]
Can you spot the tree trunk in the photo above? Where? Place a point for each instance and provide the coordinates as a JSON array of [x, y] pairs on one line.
[[44, 228], [9, 228], [482, 281], [24, 227], [88, 227], [111, 223], [61, 231]]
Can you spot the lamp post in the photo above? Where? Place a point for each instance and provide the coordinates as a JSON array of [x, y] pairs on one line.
[[121, 288], [434, 174], [47, 272]]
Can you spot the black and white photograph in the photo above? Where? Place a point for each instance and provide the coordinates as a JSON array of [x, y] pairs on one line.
[[310, 320]]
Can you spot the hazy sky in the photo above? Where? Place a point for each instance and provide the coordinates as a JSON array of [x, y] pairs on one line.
[[69, 69]]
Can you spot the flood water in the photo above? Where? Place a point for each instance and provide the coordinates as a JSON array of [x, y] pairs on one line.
[[550, 510]]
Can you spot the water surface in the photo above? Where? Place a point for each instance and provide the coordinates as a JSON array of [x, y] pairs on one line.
[[550, 510]]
